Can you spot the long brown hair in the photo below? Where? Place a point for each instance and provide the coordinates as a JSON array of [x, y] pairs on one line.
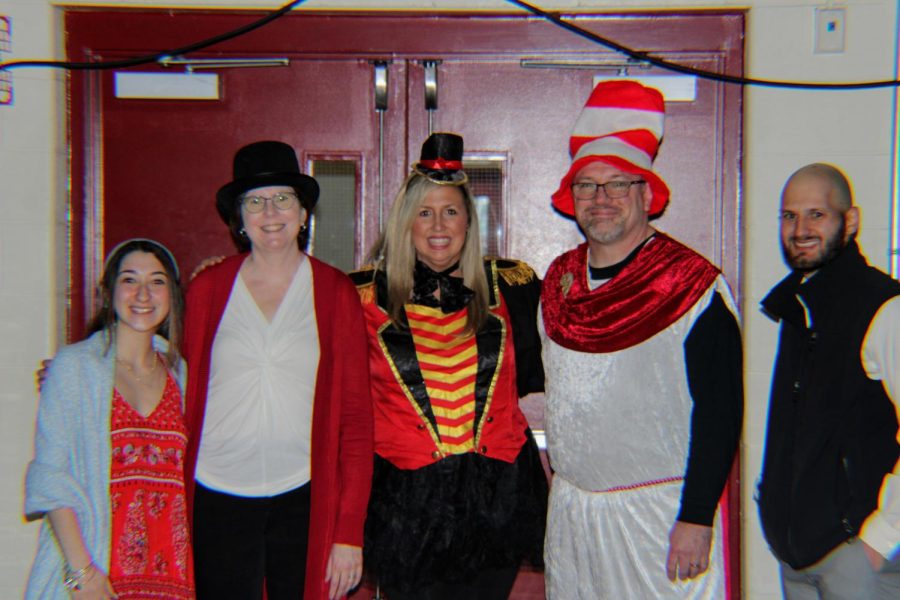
[[105, 317], [395, 254]]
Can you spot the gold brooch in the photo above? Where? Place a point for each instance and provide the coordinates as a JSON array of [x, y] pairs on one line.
[[565, 282]]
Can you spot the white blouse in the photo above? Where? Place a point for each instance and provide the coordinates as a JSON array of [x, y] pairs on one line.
[[256, 431]]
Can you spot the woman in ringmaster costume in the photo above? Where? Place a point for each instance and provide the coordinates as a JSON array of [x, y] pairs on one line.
[[459, 494]]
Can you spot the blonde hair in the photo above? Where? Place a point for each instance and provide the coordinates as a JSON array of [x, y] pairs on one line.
[[395, 254]]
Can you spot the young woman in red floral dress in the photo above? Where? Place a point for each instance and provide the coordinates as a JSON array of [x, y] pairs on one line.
[[108, 472]]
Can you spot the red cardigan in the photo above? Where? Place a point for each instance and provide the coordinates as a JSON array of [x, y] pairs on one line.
[[342, 408]]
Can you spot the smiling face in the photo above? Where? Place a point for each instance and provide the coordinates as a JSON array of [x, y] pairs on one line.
[[606, 220], [439, 227], [273, 229], [814, 229], [141, 296]]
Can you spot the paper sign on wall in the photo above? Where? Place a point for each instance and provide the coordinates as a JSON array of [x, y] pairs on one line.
[[6, 88], [170, 86]]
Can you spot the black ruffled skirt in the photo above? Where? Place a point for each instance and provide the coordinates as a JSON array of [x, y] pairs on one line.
[[450, 520]]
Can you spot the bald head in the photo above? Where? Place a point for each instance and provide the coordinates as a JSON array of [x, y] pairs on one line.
[[818, 218], [835, 184]]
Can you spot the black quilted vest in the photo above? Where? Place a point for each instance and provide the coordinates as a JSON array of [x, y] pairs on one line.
[[832, 431]]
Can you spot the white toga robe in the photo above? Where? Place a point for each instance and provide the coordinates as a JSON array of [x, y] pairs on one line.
[[618, 433]]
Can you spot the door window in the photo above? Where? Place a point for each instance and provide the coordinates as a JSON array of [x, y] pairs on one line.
[[333, 228]]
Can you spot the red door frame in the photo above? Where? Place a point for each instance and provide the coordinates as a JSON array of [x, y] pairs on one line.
[[329, 34]]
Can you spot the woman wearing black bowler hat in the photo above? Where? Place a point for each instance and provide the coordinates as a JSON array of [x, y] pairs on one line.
[[279, 411], [459, 494]]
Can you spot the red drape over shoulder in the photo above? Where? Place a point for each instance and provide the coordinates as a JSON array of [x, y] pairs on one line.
[[653, 291]]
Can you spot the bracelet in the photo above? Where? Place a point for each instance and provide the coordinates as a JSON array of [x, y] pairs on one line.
[[72, 579]]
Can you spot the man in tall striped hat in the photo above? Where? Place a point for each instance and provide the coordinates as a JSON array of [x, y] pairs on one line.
[[642, 351]]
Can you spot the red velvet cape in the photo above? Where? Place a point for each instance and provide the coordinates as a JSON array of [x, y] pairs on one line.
[[342, 438], [653, 291]]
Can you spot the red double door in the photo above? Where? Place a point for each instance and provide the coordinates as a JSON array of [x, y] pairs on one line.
[[358, 96]]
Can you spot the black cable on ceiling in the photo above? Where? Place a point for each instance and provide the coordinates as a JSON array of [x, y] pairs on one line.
[[152, 58], [638, 55], [553, 18]]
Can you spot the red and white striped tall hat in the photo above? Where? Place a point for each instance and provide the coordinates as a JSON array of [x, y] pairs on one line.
[[621, 125]]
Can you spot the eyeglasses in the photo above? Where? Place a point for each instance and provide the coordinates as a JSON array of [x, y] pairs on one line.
[[587, 190], [257, 204]]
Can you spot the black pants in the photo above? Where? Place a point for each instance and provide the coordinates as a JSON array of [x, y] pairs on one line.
[[492, 584], [240, 542]]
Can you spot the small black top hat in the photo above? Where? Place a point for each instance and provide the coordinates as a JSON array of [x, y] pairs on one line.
[[441, 159], [261, 164]]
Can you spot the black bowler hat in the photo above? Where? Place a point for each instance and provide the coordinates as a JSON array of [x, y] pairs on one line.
[[441, 159], [261, 164]]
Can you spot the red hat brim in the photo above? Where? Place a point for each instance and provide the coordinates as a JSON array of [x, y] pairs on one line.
[[562, 198]]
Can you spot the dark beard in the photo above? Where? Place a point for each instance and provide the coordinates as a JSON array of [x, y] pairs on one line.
[[833, 247]]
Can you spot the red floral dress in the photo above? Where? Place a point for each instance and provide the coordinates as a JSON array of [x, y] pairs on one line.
[[150, 555]]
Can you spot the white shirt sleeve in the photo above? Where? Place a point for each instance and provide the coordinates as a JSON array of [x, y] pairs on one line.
[[881, 359]]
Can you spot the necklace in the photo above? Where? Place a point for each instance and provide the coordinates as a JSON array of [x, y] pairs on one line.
[[134, 374]]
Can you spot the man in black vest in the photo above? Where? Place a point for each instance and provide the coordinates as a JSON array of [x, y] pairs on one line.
[[829, 497]]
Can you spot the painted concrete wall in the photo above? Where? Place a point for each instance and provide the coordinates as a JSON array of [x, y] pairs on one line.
[[783, 130]]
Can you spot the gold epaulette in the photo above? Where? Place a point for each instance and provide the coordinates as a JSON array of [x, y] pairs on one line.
[[364, 279], [514, 272], [366, 293]]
